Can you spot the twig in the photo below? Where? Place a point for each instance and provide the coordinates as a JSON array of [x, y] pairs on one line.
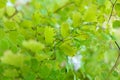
[[113, 5], [65, 5], [114, 66], [111, 2], [117, 58], [66, 39], [116, 62]]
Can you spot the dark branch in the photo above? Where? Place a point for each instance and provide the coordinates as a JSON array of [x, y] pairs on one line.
[[117, 45], [113, 5], [116, 62]]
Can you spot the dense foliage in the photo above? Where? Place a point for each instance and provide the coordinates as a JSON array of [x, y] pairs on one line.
[[38, 38]]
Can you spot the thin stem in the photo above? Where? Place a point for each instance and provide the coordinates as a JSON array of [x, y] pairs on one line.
[[116, 62], [113, 5], [65, 5], [117, 45], [114, 66], [111, 2], [66, 39]]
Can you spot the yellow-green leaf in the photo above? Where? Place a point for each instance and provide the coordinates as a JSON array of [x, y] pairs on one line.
[[33, 45], [10, 10], [49, 35], [12, 59], [68, 49], [65, 31], [2, 3], [76, 17]]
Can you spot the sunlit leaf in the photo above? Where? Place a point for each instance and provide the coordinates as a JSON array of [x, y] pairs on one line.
[[3, 3], [68, 50], [117, 7], [33, 45], [13, 59], [76, 17], [116, 24], [101, 2], [91, 14], [10, 10], [49, 35], [65, 30]]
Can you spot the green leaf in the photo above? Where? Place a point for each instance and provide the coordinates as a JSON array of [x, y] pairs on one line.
[[26, 24], [41, 56], [4, 45], [44, 70], [115, 73], [10, 25], [65, 30], [116, 24], [17, 17], [10, 10], [10, 58], [117, 8], [13, 43], [68, 50], [76, 17], [34, 64], [1, 12], [49, 35], [101, 19], [101, 2], [33, 45], [36, 18], [11, 73], [30, 76], [2, 34], [2, 3], [12, 1], [91, 14]]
